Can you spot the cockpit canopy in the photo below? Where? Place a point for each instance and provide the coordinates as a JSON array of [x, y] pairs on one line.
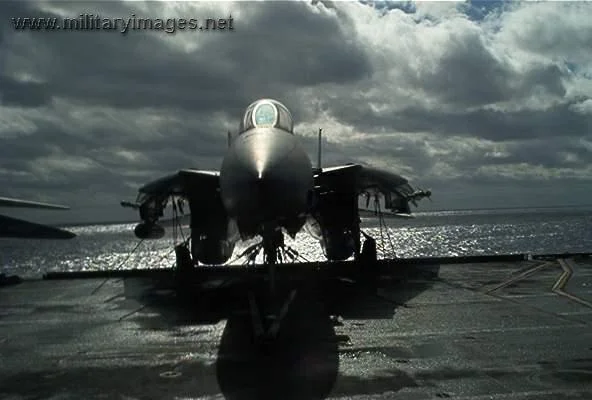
[[267, 113]]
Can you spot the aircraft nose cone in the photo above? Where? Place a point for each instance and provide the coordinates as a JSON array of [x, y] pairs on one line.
[[265, 176], [262, 159]]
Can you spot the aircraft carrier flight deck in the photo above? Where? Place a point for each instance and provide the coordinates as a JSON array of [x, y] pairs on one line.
[[497, 330]]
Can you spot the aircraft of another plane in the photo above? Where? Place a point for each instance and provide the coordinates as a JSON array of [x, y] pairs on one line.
[[17, 228], [266, 187]]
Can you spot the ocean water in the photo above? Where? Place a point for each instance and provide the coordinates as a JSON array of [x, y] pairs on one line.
[[429, 234]]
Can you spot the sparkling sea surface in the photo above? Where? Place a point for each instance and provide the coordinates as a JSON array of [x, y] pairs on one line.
[[429, 234]]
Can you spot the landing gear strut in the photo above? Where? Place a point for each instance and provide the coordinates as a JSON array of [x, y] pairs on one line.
[[268, 315], [368, 254], [184, 270], [272, 243]]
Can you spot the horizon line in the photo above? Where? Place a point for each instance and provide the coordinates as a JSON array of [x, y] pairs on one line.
[[116, 222]]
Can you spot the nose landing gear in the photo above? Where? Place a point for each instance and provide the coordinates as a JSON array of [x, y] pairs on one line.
[[268, 311]]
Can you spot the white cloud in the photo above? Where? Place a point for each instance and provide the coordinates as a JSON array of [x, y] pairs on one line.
[[555, 31], [585, 107]]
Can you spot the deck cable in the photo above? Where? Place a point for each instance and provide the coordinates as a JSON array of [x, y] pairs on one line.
[[129, 254], [176, 228], [384, 229]]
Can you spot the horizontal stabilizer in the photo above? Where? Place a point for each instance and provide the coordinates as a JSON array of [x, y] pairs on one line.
[[9, 202], [17, 228]]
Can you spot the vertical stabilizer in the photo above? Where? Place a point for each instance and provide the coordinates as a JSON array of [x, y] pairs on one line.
[[319, 151], [229, 138]]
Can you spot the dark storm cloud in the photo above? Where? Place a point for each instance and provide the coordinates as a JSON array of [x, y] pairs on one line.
[[452, 95], [490, 124], [319, 50], [179, 146], [401, 152], [25, 94], [283, 45], [559, 152], [474, 160], [16, 152], [146, 75], [469, 74]]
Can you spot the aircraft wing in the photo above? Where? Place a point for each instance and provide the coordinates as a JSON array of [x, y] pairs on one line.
[[153, 197], [17, 228], [181, 183], [397, 191], [10, 202]]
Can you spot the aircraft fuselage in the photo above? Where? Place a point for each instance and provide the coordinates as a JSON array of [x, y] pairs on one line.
[[265, 181]]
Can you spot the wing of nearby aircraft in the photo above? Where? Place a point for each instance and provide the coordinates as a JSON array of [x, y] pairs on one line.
[[17, 228], [10, 202]]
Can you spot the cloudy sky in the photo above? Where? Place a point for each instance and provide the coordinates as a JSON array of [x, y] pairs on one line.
[[489, 104]]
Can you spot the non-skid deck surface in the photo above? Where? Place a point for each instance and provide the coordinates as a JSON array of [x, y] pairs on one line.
[[478, 331]]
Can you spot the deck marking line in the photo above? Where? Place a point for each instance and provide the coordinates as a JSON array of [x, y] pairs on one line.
[[564, 278], [137, 310], [542, 310], [521, 276]]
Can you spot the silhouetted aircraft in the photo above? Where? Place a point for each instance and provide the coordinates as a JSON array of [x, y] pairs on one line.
[[266, 187], [17, 228]]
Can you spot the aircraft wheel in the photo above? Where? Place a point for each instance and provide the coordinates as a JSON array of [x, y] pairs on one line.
[[184, 271], [368, 266]]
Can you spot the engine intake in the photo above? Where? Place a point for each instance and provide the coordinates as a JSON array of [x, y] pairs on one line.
[[212, 250], [338, 245]]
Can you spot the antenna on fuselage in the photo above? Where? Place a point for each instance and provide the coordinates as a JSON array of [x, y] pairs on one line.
[[319, 151]]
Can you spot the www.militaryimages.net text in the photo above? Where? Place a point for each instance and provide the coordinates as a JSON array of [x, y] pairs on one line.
[[94, 22]]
